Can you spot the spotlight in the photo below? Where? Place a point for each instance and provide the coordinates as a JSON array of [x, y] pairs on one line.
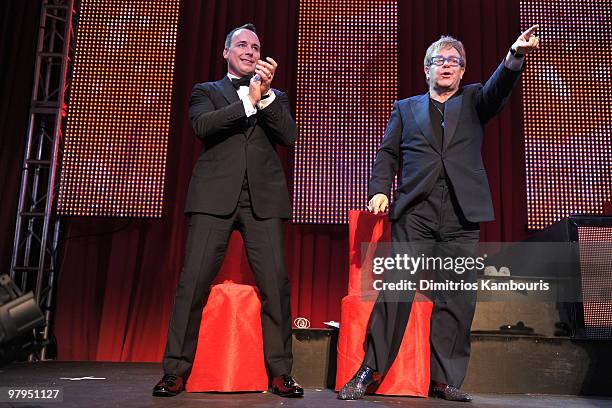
[[19, 314]]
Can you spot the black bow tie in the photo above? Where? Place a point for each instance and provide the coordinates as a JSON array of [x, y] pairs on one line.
[[244, 81]]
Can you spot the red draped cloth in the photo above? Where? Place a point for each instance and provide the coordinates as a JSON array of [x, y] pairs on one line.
[[229, 356], [409, 374]]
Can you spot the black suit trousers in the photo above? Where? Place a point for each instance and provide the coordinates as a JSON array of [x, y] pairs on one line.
[[439, 222], [207, 242]]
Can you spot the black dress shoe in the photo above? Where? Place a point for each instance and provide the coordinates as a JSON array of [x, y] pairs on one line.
[[450, 393], [285, 386], [357, 386], [168, 386]]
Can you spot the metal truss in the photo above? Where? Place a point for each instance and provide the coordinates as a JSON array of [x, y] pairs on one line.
[[37, 230]]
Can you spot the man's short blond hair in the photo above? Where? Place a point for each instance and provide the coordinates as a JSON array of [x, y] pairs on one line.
[[446, 41]]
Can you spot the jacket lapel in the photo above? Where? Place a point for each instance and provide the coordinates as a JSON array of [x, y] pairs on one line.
[[420, 109], [228, 90], [452, 111], [230, 94]]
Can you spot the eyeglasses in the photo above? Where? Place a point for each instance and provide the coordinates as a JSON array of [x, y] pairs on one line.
[[452, 61]]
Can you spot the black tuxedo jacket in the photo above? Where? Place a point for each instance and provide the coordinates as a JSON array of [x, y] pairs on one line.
[[235, 146], [409, 141]]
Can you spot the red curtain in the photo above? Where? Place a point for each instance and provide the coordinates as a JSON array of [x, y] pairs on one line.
[[117, 278]]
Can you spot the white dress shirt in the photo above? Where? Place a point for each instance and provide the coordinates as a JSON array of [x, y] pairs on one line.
[[243, 94]]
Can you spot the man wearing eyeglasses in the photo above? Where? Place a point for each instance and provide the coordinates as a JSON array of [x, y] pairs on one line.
[[442, 196]]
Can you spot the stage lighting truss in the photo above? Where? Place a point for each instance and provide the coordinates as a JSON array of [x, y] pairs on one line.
[[36, 228]]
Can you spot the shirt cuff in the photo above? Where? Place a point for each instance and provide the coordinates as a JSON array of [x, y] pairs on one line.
[[264, 103], [513, 63], [249, 109]]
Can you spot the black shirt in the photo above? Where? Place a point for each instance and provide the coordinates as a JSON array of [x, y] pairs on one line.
[[436, 116]]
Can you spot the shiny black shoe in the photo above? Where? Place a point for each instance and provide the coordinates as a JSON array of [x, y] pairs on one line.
[[449, 393], [357, 386], [169, 386], [285, 386]]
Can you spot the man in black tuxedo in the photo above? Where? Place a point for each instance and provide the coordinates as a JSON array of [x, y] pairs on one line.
[[237, 184], [442, 196]]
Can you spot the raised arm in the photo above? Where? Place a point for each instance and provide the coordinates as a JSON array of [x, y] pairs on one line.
[[494, 94]]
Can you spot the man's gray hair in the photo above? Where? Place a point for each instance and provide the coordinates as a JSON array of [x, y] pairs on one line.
[[446, 41], [228, 37]]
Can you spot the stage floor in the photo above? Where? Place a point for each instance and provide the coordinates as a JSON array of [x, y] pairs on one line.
[[129, 385]]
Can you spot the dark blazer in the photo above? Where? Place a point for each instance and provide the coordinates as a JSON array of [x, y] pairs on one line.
[[234, 145], [409, 140]]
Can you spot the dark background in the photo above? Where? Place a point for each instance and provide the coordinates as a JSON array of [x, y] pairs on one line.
[[117, 277]]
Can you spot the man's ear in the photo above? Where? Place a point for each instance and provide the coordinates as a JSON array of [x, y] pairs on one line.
[[225, 53], [426, 70]]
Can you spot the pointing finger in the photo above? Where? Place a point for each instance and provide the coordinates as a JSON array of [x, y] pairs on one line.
[[530, 31]]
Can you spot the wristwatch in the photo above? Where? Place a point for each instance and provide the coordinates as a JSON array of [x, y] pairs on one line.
[[516, 54]]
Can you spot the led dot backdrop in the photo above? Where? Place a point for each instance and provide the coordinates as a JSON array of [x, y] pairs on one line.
[[596, 277], [568, 111], [119, 112], [346, 85]]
